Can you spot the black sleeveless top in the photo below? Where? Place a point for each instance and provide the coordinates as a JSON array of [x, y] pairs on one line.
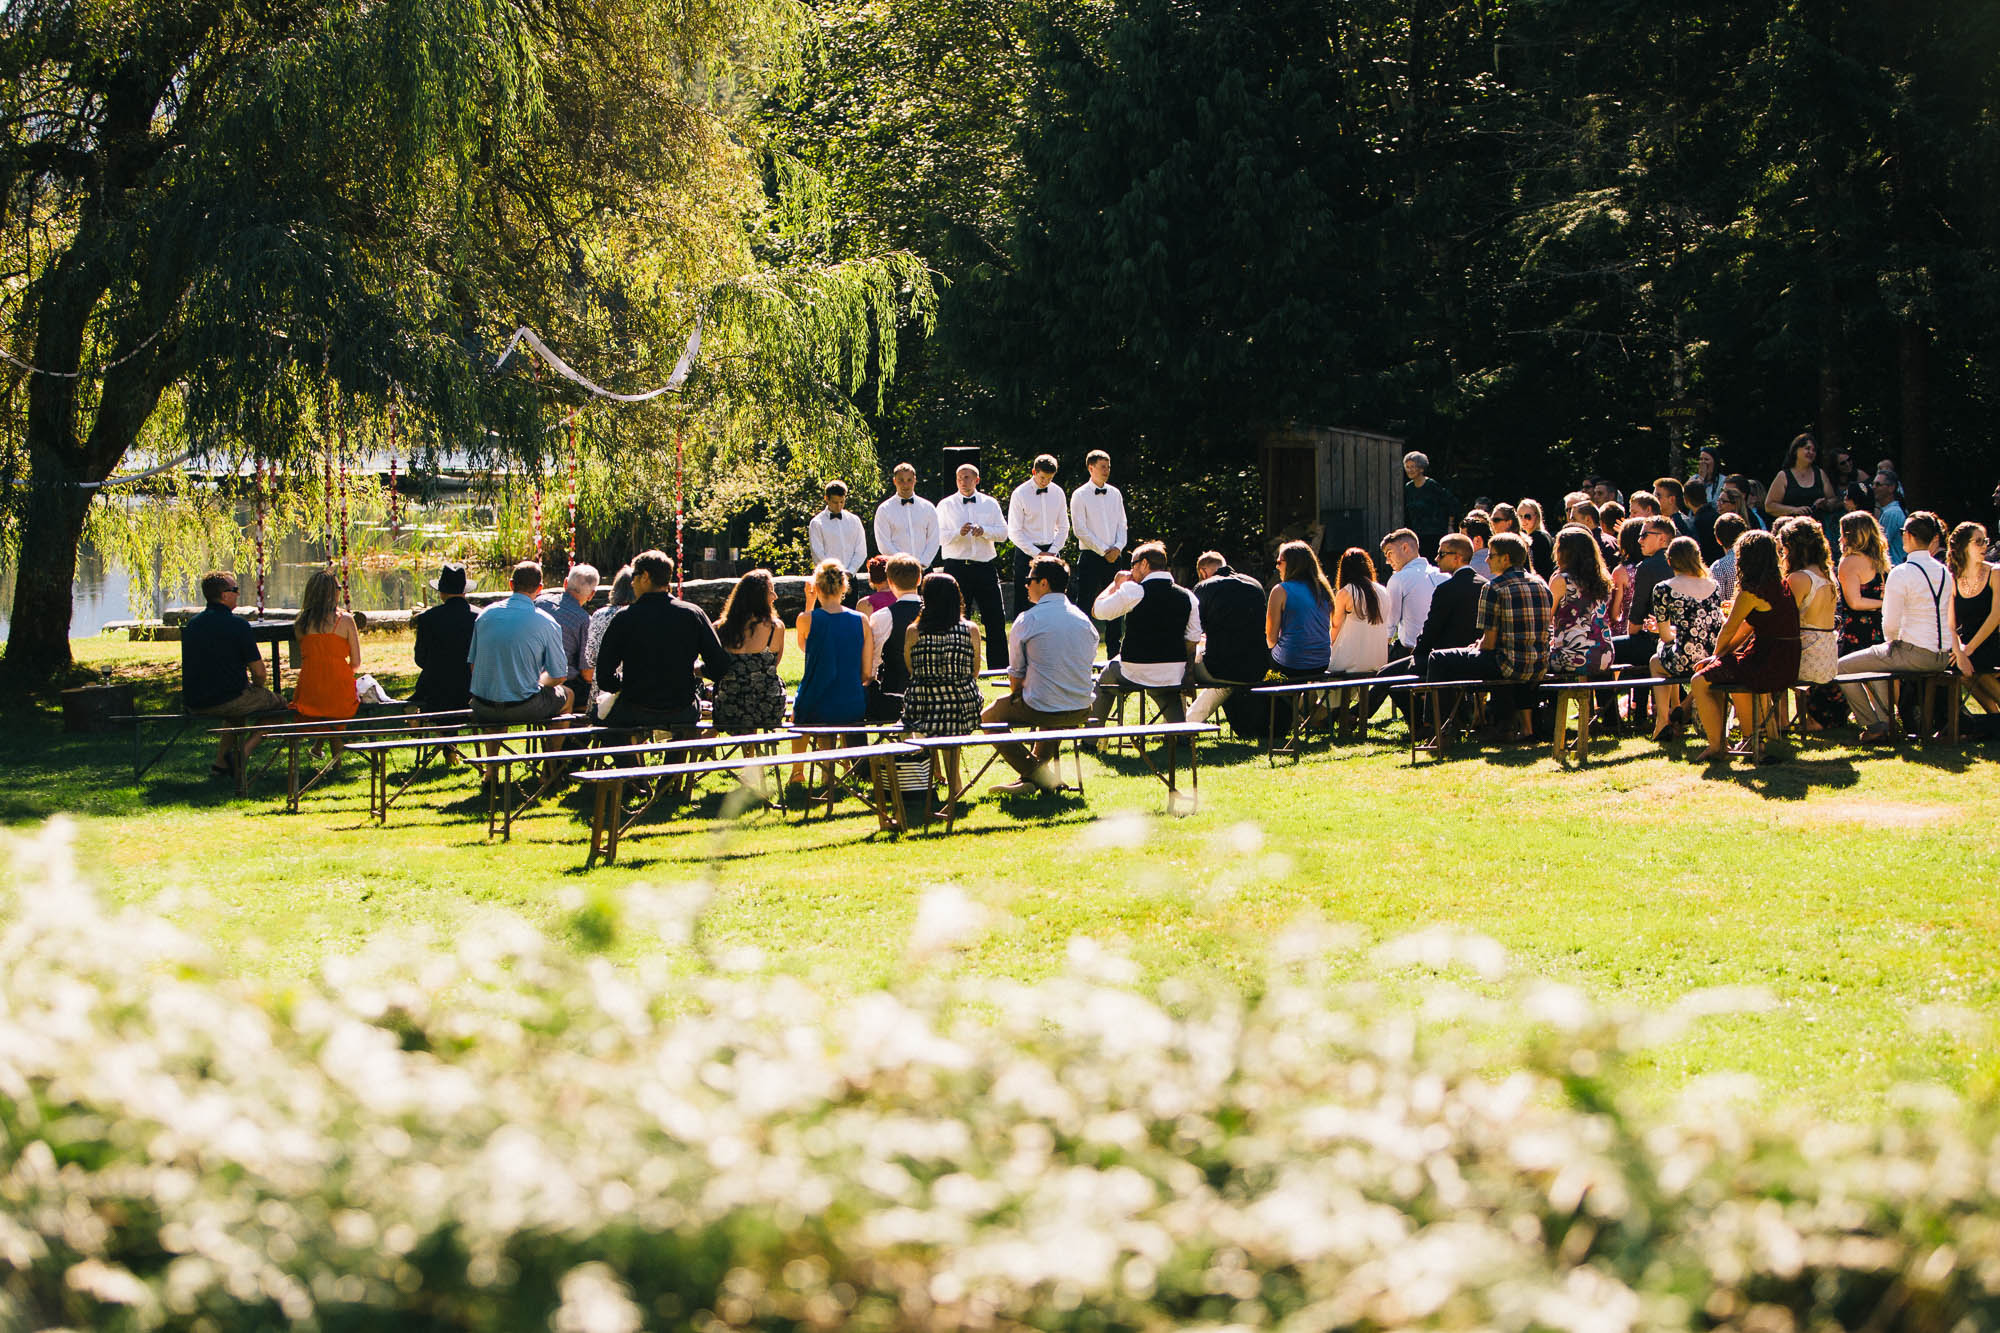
[[893, 676]]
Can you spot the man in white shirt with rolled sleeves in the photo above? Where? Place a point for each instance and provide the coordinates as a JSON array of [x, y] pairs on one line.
[[1097, 510], [1919, 627], [969, 523], [835, 534], [1037, 523], [906, 522]]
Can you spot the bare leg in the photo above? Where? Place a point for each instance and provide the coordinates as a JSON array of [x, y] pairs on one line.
[[1708, 705]]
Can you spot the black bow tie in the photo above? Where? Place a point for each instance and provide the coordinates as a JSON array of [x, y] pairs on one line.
[[909, 499], [1041, 490], [1100, 490]]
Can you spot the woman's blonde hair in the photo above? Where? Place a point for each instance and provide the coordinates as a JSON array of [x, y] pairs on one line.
[[1861, 534], [830, 579], [1684, 557], [319, 605]]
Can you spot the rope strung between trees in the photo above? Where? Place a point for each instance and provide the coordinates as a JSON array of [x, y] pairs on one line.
[[524, 334], [108, 366], [260, 539]]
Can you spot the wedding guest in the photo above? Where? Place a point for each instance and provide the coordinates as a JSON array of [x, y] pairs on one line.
[[1686, 614], [1977, 611], [749, 696], [329, 652], [1808, 569], [1758, 649], [622, 596], [1919, 627], [1541, 546], [1579, 638], [1514, 613], [1298, 615]]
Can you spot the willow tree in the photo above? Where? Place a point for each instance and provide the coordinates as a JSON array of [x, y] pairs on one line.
[[274, 216]]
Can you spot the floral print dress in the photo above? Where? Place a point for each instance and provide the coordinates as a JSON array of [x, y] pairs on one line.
[[1697, 623], [1579, 635]]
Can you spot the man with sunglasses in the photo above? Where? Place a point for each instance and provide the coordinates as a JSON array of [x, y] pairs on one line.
[[222, 671]]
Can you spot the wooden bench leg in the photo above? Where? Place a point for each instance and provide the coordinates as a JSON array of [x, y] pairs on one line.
[[1586, 703]]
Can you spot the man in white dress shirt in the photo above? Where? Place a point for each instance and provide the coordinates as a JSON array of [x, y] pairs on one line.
[[1410, 587], [1097, 510], [970, 522], [1163, 630], [1919, 628], [1037, 523], [907, 522], [836, 534]]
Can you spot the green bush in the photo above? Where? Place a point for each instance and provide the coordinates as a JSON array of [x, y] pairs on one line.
[[502, 1133]]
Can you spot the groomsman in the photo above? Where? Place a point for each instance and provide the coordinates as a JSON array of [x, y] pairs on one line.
[[907, 522], [970, 522], [1098, 510], [1037, 523], [835, 534]]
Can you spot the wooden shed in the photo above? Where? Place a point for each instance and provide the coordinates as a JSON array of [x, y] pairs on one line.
[[1347, 482]]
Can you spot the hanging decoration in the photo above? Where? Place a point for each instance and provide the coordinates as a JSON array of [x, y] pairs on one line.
[[541, 350], [680, 513], [346, 597], [572, 488], [260, 539]]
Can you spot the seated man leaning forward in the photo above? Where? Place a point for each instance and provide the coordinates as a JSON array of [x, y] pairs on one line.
[[1513, 624], [1233, 652], [650, 650], [517, 658], [1052, 645], [222, 673], [1162, 630]]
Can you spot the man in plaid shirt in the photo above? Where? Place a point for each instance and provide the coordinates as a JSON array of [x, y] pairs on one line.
[[1514, 613]]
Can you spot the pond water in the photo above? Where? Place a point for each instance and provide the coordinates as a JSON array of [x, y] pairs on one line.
[[103, 591]]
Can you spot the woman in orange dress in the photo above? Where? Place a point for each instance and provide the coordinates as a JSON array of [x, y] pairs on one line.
[[329, 652]]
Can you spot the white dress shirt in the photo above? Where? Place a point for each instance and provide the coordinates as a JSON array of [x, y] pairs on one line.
[[1410, 590], [1120, 598], [884, 624], [1038, 519], [838, 537], [1099, 519], [907, 528], [1916, 600], [982, 511]]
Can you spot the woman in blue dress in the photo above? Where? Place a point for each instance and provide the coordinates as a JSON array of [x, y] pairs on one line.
[[839, 645]]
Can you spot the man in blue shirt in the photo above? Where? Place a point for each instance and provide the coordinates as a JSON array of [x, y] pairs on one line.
[[570, 607], [222, 673], [1051, 648], [1891, 514], [517, 659]]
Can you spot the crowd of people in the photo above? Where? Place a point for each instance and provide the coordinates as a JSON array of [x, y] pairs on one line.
[[1733, 588]]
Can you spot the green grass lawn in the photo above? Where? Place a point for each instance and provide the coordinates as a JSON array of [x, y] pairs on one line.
[[1858, 890]]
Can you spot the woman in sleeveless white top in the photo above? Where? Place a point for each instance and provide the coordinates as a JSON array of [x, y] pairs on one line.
[[1819, 651], [1359, 647]]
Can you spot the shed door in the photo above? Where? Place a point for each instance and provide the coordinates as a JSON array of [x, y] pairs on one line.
[[1291, 487]]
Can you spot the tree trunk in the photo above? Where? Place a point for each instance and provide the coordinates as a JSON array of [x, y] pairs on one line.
[[1913, 357], [38, 628]]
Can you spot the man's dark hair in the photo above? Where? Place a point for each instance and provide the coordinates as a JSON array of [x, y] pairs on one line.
[[1045, 463], [655, 565], [1153, 553], [215, 583], [1051, 569], [1671, 486], [1696, 493], [1399, 537], [526, 578], [1924, 526], [1478, 524], [1094, 457], [1510, 546], [837, 488], [1728, 527], [1661, 526]]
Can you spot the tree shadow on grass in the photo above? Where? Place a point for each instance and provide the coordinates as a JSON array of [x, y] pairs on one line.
[[1791, 777]]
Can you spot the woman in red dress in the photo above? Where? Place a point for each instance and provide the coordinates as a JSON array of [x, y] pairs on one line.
[[1758, 649]]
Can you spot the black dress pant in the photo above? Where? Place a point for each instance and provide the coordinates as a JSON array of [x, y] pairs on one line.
[[979, 580], [1093, 575]]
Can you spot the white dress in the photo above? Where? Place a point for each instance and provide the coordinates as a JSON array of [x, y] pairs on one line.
[[1362, 649], [1819, 649]]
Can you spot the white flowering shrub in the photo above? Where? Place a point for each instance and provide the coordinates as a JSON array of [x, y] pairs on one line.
[[505, 1135]]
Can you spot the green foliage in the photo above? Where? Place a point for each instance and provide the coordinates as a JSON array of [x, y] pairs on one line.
[[500, 1134]]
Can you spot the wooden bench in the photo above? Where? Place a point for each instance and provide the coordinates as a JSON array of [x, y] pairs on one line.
[[246, 736], [609, 820], [1583, 691], [426, 748], [994, 736], [334, 736], [1433, 692], [502, 807], [1295, 740], [1949, 681]]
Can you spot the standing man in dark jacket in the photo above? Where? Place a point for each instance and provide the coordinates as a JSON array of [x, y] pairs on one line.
[[1233, 652], [444, 641], [650, 650]]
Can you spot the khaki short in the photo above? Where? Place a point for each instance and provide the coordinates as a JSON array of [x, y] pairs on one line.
[[256, 699]]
